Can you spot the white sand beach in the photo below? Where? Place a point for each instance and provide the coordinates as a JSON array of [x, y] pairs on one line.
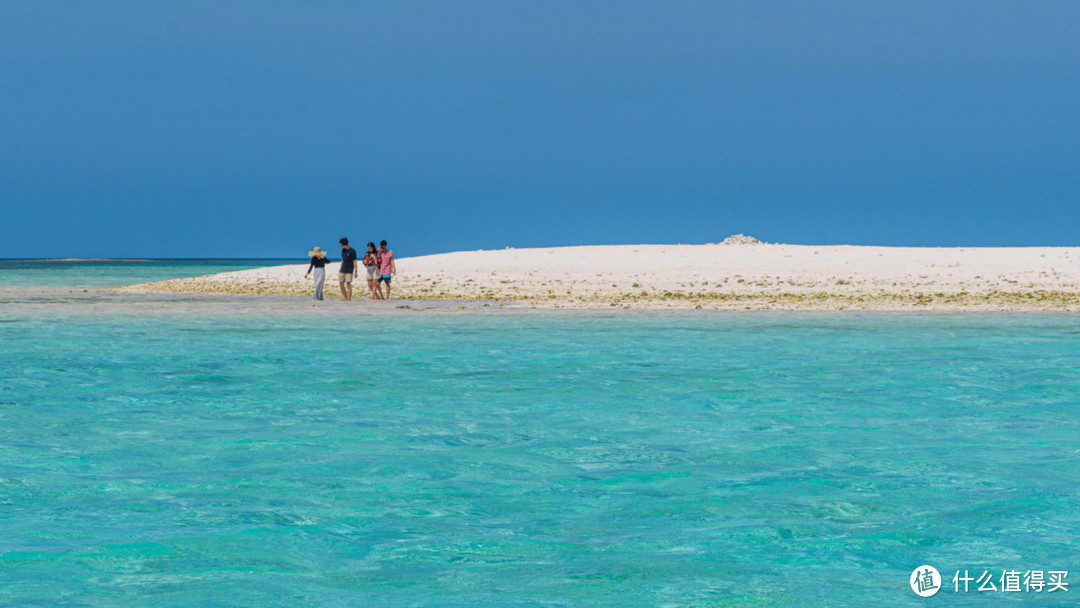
[[734, 275]]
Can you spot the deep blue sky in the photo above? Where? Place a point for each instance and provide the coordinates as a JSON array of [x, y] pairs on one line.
[[235, 129]]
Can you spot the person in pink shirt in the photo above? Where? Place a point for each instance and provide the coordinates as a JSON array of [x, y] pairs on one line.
[[386, 266]]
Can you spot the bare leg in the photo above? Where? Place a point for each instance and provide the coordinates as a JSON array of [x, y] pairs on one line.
[[341, 284], [387, 291], [348, 287]]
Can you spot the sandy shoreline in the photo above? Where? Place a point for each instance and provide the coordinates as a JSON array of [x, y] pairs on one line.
[[713, 276]]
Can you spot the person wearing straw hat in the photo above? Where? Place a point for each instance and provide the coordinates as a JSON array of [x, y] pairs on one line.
[[318, 263]]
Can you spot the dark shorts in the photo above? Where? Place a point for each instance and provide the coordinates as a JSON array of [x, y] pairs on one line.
[[385, 279]]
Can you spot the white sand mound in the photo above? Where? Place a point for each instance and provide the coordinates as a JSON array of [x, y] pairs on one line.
[[740, 239]]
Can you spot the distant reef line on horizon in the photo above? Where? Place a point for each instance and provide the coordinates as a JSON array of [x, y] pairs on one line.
[[740, 273], [76, 260], [735, 239], [145, 260]]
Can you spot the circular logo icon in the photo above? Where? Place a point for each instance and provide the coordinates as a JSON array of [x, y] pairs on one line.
[[925, 581]]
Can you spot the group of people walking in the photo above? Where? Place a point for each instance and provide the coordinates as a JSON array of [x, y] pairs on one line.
[[378, 266]]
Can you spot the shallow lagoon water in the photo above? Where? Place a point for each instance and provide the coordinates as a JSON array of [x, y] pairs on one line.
[[112, 273], [172, 451]]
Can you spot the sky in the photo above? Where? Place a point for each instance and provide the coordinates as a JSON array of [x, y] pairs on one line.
[[262, 128]]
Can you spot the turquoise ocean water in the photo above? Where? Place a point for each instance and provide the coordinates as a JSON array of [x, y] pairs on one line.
[[213, 451], [22, 273]]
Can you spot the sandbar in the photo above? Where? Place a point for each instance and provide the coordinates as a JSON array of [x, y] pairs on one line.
[[720, 276]]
